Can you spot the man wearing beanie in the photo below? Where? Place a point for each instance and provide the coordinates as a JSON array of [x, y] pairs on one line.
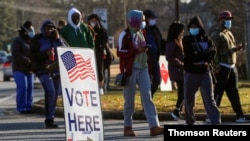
[[21, 66]]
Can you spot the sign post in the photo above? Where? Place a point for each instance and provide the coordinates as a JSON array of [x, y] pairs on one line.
[[81, 98], [166, 84], [102, 13]]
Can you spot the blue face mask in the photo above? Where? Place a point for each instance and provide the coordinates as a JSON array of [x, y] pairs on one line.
[[143, 25], [31, 34], [194, 31], [228, 24]]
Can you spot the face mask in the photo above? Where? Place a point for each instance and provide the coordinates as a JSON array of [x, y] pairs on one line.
[[194, 31], [143, 25], [92, 24], [152, 22], [31, 34], [228, 24]]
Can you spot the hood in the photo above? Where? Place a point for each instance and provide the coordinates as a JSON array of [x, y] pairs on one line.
[[70, 13], [46, 22], [196, 20], [134, 20]]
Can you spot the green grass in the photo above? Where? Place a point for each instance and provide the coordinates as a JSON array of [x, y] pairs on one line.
[[165, 101]]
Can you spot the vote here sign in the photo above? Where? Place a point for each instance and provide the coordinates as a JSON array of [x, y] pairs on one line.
[[81, 98]]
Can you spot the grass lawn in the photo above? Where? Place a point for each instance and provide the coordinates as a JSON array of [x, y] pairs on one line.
[[165, 101]]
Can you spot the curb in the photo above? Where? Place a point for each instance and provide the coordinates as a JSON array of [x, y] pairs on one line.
[[38, 108]]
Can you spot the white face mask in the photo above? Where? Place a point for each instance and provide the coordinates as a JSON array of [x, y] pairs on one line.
[[152, 22], [31, 34], [93, 24]]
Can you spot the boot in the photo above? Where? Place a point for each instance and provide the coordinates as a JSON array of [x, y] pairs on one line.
[[156, 131], [128, 131], [49, 123]]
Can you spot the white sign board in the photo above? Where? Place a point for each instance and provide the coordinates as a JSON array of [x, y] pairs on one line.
[[81, 98], [166, 84], [102, 13]]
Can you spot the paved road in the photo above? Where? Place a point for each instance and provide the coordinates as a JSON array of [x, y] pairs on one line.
[[30, 127]]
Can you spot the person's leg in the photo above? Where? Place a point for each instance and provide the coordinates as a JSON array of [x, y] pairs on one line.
[[208, 98], [233, 92], [21, 96], [179, 103], [148, 104], [129, 100], [50, 97], [57, 86], [191, 85], [129, 103], [156, 78], [221, 84], [30, 87]]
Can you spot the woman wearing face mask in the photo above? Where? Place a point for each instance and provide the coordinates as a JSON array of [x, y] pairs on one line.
[[101, 42], [199, 52], [21, 66], [174, 56]]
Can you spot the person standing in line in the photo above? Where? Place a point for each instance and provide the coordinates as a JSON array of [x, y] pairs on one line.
[[109, 57], [174, 56], [43, 52], [21, 67], [101, 42], [61, 24], [199, 52], [132, 51], [154, 38], [227, 74], [76, 33]]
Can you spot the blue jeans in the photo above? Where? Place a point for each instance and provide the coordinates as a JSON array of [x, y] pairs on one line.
[[52, 87], [140, 77], [24, 90]]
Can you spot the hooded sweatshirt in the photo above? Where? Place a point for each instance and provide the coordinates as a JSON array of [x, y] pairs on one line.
[[128, 42], [199, 50], [41, 43], [77, 35]]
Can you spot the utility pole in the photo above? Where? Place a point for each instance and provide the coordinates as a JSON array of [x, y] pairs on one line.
[[125, 13], [177, 10], [247, 11]]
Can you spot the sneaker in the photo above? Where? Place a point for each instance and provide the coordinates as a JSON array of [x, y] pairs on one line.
[[101, 91], [208, 120], [176, 115], [242, 119], [49, 123]]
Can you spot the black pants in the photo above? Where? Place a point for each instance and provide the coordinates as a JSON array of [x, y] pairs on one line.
[[180, 94], [227, 80]]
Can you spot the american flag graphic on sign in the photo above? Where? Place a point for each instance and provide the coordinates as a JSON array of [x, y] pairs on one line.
[[77, 67]]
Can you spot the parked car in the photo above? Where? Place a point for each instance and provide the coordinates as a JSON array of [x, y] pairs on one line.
[[7, 69], [3, 56]]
